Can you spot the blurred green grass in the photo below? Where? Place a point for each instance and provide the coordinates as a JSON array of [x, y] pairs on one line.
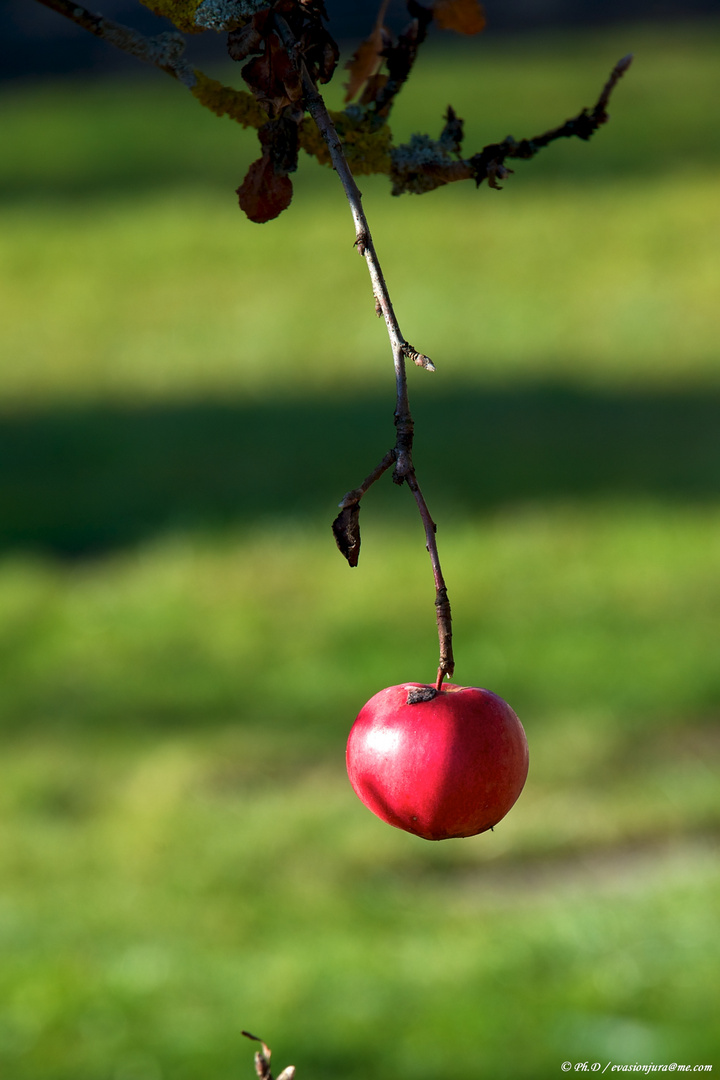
[[106, 139], [175, 296], [183, 399]]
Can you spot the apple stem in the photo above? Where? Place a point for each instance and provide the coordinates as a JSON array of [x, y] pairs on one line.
[[401, 454]]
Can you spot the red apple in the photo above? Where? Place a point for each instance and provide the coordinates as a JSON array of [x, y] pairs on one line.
[[438, 764]]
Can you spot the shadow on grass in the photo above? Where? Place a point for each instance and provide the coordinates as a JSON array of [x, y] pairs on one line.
[[83, 481]]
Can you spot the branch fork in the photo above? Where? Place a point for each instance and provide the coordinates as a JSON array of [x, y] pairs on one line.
[[421, 165], [346, 525]]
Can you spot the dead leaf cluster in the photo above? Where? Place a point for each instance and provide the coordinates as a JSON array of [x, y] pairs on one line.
[[379, 88], [274, 74]]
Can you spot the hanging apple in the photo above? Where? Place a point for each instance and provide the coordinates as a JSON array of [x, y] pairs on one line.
[[438, 763]]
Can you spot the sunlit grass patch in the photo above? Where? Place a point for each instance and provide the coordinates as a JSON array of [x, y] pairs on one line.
[[179, 905], [609, 609], [167, 297], [128, 271]]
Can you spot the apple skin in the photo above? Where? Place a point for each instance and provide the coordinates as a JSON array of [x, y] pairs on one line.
[[447, 767]]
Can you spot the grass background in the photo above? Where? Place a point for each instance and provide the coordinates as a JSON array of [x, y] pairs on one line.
[[184, 397]]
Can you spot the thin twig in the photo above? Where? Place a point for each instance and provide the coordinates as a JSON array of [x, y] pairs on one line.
[[442, 604], [354, 496], [408, 172], [164, 51], [426, 172], [401, 57], [402, 453], [262, 1061], [584, 125], [615, 75]]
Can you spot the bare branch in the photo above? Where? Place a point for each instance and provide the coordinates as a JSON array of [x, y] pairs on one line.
[[345, 526], [421, 165], [401, 56], [418, 166], [584, 125], [363, 239], [442, 604], [165, 51], [354, 496], [615, 75], [424, 163]]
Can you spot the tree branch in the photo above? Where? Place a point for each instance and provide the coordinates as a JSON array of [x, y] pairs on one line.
[[424, 164], [404, 470], [352, 498], [164, 51], [421, 165], [418, 166]]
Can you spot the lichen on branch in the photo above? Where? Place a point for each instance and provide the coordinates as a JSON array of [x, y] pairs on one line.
[[368, 148], [222, 100], [181, 13], [194, 16], [270, 72]]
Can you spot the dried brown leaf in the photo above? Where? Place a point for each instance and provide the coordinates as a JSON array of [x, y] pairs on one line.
[[373, 88], [346, 529], [327, 58], [241, 43], [273, 77], [451, 136], [263, 194], [279, 139], [463, 16], [320, 52], [364, 63]]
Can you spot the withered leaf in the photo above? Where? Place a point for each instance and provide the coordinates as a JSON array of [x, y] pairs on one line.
[[263, 194], [463, 16], [273, 77], [451, 136], [346, 530], [241, 43], [279, 139], [400, 57], [373, 88], [327, 58], [364, 63], [320, 52]]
